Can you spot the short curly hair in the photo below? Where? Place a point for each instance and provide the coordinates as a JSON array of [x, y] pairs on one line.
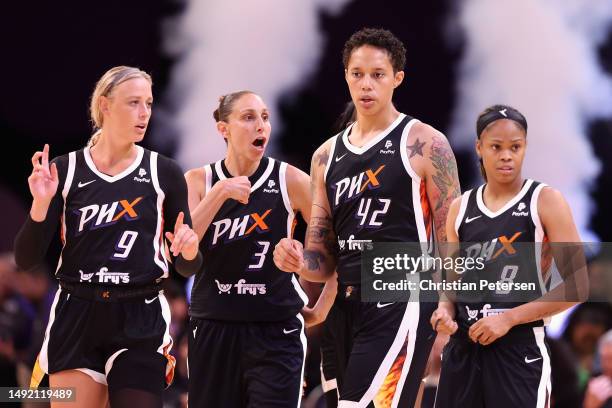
[[379, 38]]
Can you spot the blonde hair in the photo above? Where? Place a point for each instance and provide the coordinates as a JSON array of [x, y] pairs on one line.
[[104, 87]]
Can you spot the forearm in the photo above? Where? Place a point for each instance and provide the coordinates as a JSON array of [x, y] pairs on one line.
[[187, 268], [534, 311], [31, 244], [314, 269], [206, 210]]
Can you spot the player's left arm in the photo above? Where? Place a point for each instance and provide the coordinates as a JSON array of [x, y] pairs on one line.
[[184, 250], [433, 160], [298, 187], [558, 224]]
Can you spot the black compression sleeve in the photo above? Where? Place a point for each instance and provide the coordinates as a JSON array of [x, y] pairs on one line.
[[33, 239], [173, 184]]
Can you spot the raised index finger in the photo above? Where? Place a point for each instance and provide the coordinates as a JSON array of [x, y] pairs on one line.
[[45, 157], [179, 222]]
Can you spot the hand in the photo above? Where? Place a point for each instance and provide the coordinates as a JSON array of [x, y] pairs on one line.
[[44, 180], [598, 392], [289, 255], [184, 241], [236, 188], [490, 328], [443, 322]]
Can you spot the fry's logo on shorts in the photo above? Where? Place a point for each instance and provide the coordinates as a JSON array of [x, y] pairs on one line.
[[485, 311], [107, 214], [242, 288], [239, 226], [104, 276]]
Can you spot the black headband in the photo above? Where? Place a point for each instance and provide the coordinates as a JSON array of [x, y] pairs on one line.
[[502, 113]]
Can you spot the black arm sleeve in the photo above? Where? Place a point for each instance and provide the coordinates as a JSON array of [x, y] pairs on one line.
[[173, 184], [33, 239]]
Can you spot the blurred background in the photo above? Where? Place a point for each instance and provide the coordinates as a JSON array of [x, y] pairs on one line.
[[551, 59]]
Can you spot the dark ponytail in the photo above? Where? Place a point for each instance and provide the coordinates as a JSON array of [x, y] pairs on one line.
[[348, 116]]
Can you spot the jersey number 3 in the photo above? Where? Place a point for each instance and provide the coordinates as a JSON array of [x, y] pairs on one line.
[[259, 257]]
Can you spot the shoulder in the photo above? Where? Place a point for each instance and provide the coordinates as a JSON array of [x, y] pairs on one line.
[[321, 155], [426, 133], [550, 200], [293, 175]]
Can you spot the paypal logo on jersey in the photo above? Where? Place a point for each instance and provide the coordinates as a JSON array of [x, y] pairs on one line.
[[230, 229], [350, 187], [106, 214]]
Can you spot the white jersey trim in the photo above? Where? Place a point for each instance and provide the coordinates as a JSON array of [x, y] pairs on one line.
[[539, 238], [544, 387], [109, 363], [334, 140], [492, 214], [112, 179], [207, 178], [258, 183], [158, 251], [43, 357], [404, 154], [465, 198], [375, 140], [65, 190], [96, 376], [304, 347], [282, 175]]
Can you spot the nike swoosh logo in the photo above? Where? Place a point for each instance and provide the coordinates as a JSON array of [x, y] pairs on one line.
[[194, 331], [289, 331], [527, 360], [338, 158], [468, 219], [147, 301], [84, 184], [381, 305]]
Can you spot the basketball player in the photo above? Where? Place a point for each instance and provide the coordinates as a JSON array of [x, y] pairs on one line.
[[404, 177], [113, 200], [497, 355], [247, 343]]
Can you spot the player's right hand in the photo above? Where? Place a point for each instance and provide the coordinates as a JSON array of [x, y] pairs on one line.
[[44, 180], [443, 322], [289, 255], [236, 188]]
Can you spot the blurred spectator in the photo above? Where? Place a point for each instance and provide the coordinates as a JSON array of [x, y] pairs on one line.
[[599, 390], [17, 316], [585, 326]]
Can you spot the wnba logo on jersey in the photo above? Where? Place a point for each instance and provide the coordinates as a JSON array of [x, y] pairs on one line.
[[354, 186], [239, 226], [106, 213]]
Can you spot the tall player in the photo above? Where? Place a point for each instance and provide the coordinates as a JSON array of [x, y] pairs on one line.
[[247, 344], [497, 355], [386, 178], [107, 334]]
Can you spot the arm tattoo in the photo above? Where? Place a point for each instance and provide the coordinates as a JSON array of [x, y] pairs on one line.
[[416, 148], [320, 231], [313, 259], [322, 158], [446, 181]]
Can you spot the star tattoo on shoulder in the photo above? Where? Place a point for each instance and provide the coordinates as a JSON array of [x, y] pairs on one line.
[[416, 148]]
